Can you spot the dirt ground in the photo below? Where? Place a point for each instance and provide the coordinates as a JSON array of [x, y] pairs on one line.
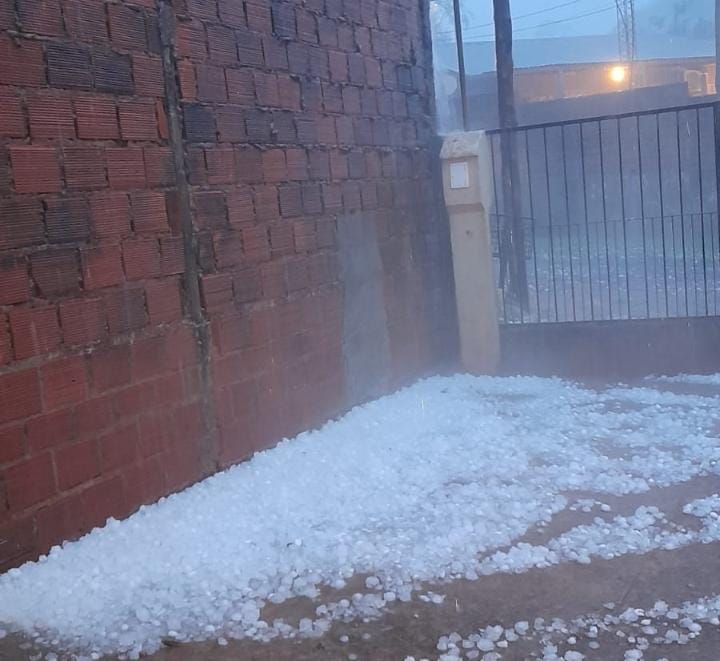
[[565, 591]]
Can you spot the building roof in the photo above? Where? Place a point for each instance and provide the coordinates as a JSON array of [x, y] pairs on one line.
[[480, 55]]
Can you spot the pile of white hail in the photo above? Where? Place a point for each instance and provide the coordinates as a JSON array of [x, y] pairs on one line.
[[425, 485]]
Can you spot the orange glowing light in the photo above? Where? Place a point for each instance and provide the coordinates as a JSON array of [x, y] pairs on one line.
[[618, 74]]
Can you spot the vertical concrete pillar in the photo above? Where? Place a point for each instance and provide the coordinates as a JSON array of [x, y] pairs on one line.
[[467, 185]]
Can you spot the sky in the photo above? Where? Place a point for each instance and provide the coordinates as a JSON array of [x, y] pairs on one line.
[[549, 18]]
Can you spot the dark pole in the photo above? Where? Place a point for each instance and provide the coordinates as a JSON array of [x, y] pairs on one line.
[[716, 113], [717, 48], [461, 63], [513, 265]]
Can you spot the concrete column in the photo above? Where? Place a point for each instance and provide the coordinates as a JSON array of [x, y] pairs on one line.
[[467, 185]]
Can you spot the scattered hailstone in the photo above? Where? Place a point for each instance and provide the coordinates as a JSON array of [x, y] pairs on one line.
[[522, 627], [573, 655]]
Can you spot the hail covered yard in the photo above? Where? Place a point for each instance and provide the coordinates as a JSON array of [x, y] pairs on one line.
[[443, 480]]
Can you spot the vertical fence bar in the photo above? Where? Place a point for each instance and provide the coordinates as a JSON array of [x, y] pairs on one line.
[[716, 258], [624, 219], [662, 217], [716, 226], [567, 220], [522, 221], [550, 223], [605, 226], [714, 252], [675, 265], [682, 209], [655, 265], [587, 226], [532, 224], [642, 217], [497, 225], [694, 263], [702, 209]]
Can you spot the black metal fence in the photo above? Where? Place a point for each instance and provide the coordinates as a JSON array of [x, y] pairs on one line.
[[620, 216]]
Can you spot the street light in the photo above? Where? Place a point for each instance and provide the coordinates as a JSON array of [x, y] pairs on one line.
[[618, 74]]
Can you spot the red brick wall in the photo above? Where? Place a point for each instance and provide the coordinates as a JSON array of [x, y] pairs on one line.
[[162, 318]]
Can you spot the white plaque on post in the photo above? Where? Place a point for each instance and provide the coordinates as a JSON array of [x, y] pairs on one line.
[[459, 176]]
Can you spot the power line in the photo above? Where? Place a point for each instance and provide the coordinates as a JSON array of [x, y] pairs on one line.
[[556, 22], [515, 18], [565, 20]]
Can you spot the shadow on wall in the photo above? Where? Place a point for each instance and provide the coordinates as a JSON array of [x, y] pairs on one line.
[[365, 341]]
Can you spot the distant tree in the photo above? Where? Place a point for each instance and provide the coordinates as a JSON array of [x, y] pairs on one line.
[[693, 19], [441, 14]]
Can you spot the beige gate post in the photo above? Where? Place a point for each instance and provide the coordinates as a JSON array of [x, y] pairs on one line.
[[467, 185]]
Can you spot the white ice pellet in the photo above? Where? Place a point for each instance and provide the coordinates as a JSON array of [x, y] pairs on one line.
[[522, 627], [493, 633], [573, 655], [630, 615], [649, 630]]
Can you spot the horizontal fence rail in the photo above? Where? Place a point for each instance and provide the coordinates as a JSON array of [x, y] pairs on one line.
[[620, 217]]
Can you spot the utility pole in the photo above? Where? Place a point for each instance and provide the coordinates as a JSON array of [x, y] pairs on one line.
[[716, 109], [461, 64], [512, 248], [717, 48]]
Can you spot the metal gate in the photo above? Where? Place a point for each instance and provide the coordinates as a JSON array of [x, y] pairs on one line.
[[620, 217]]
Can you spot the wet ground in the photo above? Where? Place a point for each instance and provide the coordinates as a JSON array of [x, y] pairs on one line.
[[565, 591]]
